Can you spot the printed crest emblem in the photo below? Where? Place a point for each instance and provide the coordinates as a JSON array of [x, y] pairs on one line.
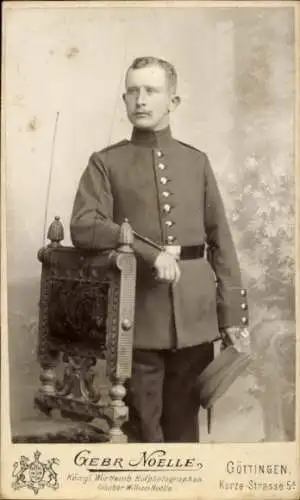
[[36, 471], [34, 475]]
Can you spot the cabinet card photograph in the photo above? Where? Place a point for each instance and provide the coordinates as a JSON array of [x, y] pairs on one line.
[[149, 250]]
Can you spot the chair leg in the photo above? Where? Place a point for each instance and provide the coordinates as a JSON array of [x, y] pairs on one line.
[[48, 380], [117, 411]]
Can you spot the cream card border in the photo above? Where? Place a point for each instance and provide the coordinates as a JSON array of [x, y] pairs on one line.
[[215, 458]]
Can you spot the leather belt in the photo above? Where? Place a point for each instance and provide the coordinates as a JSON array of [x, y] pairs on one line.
[[192, 252]]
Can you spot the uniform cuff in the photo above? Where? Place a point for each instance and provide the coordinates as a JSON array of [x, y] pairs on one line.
[[236, 315]]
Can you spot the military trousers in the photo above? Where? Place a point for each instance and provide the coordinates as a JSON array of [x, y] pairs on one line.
[[160, 396]]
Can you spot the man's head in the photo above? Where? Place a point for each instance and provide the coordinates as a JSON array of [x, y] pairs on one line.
[[150, 92]]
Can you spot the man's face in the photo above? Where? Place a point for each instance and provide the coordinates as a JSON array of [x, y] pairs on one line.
[[148, 98]]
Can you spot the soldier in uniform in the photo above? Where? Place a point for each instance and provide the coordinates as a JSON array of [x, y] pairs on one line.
[[187, 291]]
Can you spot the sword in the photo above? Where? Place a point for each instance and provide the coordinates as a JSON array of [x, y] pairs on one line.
[[148, 241]]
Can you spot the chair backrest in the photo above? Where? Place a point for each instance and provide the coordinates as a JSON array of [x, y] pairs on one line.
[[87, 303]]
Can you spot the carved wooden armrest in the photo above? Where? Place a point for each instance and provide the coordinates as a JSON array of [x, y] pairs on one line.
[[87, 303]]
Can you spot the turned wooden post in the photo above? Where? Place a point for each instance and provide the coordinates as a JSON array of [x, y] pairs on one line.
[[120, 330], [55, 232], [48, 358]]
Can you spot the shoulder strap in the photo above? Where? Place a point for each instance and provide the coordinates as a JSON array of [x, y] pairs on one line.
[[189, 146], [115, 146]]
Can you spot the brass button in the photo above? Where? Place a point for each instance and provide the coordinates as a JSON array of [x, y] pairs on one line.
[[243, 293], [169, 223], [244, 320], [171, 239], [166, 194], [161, 166], [164, 180], [159, 154], [167, 208], [244, 306], [126, 324]]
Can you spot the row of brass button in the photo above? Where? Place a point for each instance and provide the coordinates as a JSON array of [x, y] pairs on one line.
[[244, 307], [167, 207]]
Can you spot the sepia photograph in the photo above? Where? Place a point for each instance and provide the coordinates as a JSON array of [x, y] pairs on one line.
[[148, 279]]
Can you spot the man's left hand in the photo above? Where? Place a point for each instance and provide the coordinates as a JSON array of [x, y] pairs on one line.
[[233, 332], [238, 336]]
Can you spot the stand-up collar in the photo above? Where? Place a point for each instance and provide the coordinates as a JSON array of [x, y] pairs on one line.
[[151, 138]]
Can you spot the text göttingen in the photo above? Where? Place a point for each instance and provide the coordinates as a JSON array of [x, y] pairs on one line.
[[257, 477]]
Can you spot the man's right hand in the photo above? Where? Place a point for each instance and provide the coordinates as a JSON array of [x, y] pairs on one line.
[[166, 267]]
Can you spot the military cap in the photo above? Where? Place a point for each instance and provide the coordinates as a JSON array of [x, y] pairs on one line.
[[220, 374]]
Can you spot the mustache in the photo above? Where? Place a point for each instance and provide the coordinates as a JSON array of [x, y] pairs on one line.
[[142, 112]]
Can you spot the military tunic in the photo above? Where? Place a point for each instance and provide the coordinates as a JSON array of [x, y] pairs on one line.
[[168, 192]]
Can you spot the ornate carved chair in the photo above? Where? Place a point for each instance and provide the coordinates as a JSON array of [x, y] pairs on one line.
[[86, 313]]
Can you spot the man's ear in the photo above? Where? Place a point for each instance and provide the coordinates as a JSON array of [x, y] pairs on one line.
[[174, 102], [124, 97]]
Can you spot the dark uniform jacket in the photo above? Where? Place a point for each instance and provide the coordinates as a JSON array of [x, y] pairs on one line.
[[168, 193]]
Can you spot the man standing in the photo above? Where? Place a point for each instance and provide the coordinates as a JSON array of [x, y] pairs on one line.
[[188, 291]]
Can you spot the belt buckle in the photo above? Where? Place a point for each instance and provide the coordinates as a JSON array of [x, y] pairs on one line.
[[173, 250]]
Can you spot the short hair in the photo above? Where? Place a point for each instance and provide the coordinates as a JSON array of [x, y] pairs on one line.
[[146, 61]]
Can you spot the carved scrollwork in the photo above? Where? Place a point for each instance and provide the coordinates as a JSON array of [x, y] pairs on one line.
[[78, 379], [77, 311], [75, 393]]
